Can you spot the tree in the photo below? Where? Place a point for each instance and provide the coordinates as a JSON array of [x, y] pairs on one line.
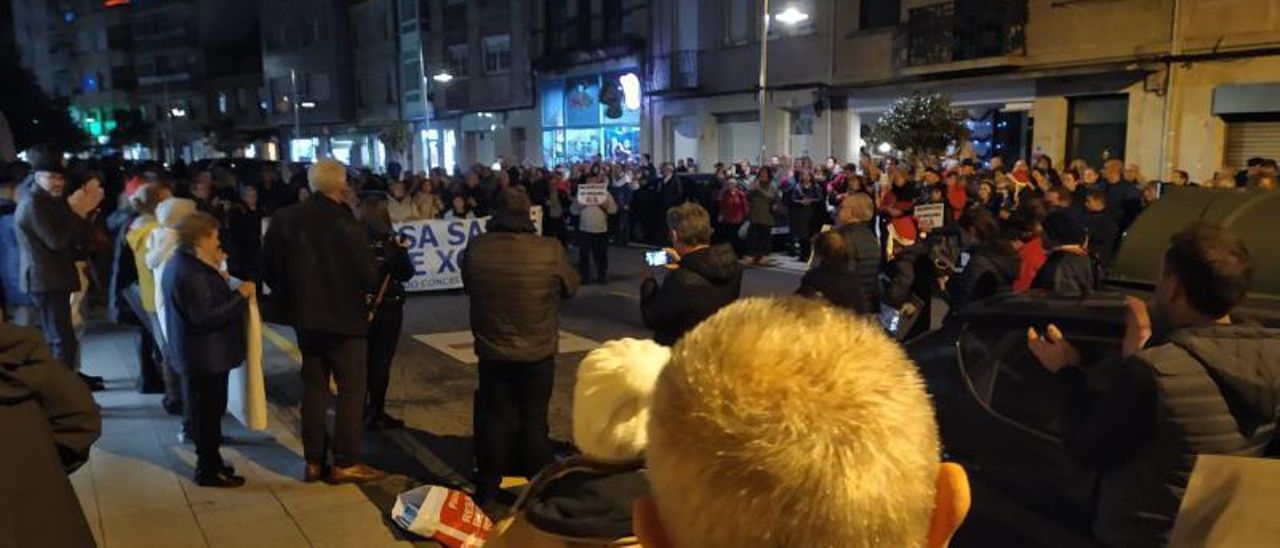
[[34, 117], [922, 125], [396, 138]]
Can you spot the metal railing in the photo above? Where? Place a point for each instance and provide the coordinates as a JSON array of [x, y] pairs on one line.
[[674, 71], [965, 30]]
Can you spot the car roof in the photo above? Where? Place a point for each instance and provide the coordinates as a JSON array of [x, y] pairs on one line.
[[1106, 307], [1251, 215]]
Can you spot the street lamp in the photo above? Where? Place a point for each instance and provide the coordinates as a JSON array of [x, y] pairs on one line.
[[790, 17], [443, 77]]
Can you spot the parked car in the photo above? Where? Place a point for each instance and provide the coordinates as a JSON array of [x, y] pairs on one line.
[[998, 409]]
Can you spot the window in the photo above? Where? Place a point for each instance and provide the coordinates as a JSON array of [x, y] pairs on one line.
[[1097, 127], [317, 87], [458, 60], [411, 76], [497, 53], [741, 15], [874, 14], [222, 102]]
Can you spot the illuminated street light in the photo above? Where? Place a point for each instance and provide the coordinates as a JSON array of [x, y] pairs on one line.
[[443, 77], [307, 104], [792, 16], [885, 148], [178, 112]]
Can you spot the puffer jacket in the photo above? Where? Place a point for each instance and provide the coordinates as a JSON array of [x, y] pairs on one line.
[[706, 281], [43, 404], [206, 318], [991, 270], [1206, 391], [863, 248], [516, 280]]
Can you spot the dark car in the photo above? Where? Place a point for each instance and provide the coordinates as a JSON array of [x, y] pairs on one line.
[[998, 409]]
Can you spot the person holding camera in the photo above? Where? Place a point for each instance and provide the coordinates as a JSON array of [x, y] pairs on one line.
[[703, 278], [386, 312]]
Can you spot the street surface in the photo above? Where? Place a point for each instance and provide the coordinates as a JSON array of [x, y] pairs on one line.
[[137, 491]]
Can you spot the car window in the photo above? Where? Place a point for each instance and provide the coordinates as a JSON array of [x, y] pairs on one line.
[[1007, 380]]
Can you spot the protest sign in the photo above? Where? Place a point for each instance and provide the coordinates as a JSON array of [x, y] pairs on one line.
[[436, 247], [930, 215], [593, 194]]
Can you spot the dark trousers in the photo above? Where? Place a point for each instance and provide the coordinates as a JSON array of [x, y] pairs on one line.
[[511, 420], [760, 240], [150, 379], [384, 337], [54, 312], [344, 357], [593, 247], [206, 402]]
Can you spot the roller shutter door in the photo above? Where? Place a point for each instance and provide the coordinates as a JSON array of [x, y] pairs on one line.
[[1252, 139]]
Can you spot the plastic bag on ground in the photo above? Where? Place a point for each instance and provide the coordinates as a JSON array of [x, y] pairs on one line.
[[444, 515]]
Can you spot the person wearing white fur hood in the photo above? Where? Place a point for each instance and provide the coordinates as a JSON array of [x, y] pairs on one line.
[[160, 246], [590, 497]]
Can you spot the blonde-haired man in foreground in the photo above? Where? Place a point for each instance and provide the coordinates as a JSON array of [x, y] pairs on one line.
[[787, 422]]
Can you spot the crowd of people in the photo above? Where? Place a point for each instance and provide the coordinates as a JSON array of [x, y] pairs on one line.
[[181, 252]]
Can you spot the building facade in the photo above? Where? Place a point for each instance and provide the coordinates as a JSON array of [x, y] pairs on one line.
[[1164, 84]]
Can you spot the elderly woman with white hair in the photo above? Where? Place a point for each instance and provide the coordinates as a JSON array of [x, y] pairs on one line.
[[160, 246], [318, 264]]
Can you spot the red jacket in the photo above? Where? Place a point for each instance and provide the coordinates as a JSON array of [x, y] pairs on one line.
[[1033, 257]]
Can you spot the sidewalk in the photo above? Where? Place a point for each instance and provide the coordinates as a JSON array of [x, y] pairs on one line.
[[137, 491]]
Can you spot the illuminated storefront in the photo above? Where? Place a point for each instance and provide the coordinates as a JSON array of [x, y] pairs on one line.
[[586, 116]]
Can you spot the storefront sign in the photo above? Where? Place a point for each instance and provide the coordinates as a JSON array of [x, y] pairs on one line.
[[436, 247]]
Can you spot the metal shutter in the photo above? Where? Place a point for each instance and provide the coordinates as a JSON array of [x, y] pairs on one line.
[[1252, 139]]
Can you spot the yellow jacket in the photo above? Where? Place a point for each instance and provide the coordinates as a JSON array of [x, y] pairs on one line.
[[137, 237]]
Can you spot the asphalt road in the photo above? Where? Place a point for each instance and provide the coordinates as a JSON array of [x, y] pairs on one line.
[[432, 392]]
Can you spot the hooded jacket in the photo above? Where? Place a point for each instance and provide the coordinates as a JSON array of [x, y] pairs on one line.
[[705, 281], [991, 270], [161, 243], [1208, 390], [43, 404]]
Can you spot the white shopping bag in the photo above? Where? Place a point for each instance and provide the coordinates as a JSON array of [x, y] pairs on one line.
[[247, 390], [444, 515]]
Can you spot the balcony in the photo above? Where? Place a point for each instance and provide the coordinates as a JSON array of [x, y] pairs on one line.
[[676, 71], [974, 34]]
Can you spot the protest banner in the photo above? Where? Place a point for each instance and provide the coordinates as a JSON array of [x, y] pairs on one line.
[[593, 194], [436, 247], [931, 215]]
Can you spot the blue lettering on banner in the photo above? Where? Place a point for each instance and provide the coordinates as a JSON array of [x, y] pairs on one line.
[[436, 248]]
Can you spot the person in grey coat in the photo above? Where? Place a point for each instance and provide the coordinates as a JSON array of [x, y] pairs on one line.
[[48, 421]]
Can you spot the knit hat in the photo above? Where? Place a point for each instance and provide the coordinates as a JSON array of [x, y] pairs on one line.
[[173, 210], [612, 397]]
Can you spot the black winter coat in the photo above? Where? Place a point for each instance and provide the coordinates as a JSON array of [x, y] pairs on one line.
[[1104, 235], [516, 280], [124, 270], [863, 247], [48, 420], [50, 235], [204, 322], [317, 262], [1066, 274], [837, 284], [706, 281], [243, 243], [394, 268], [991, 270]]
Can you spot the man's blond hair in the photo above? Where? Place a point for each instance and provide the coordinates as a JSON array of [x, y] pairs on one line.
[[788, 422], [326, 176]]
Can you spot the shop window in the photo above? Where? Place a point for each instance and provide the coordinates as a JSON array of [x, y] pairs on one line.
[[739, 17], [458, 60]]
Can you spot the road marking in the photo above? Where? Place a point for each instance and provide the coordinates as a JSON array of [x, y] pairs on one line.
[[282, 343]]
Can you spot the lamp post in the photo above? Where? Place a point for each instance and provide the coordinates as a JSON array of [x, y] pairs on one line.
[[791, 16]]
